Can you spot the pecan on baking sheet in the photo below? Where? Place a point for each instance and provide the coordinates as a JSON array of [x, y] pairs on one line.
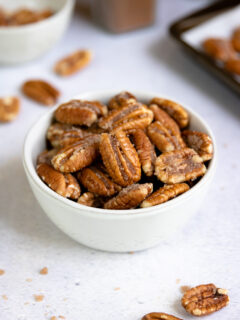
[[219, 49], [236, 39]]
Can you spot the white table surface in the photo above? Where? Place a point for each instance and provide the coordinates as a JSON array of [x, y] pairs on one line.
[[81, 284]]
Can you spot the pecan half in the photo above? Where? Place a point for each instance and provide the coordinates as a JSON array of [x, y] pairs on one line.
[[163, 139], [219, 49], [78, 155], [159, 316], [87, 199], [179, 166], [64, 184], [174, 110], [204, 299], [122, 99], [41, 91], [233, 66], [95, 181], [120, 158], [9, 108], [46, 156], [145, 150], [23, 16], [200, 142], [80, 112], [236, 39], [128, 117], [164, 194], [73, 62], [61, 135], [130, 197]]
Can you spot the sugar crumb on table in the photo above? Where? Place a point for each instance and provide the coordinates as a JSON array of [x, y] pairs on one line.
[[2, 272], [44, 271], [38, 297]]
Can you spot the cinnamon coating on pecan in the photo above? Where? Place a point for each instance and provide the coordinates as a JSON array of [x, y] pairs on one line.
[[46, 156], [87, 199], [9, 108], [122, 99]]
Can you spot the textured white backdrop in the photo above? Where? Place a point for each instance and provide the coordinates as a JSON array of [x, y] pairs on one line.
[[81, 282]]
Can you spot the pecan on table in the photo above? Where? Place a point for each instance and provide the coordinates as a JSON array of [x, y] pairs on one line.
[[200, 142], [73, 62], [233, 66], [204, 299], [130, 197], [122, 99], [9, 108], [159, 316], [219, 49], [80, 112], [46, 156], [179, 166], [236, 39], [41, 91], [120, 158], [164, 194], [173, 109]]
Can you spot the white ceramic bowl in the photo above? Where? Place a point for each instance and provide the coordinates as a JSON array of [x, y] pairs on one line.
[[114, 230], [23, 43]]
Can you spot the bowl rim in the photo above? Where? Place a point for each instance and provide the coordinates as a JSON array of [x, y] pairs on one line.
[[106, 213], [35, 25]]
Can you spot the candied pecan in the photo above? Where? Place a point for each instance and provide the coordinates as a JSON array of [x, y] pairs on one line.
[[233, 66], [179, 166], [200, 142], [130, 197], [87, 199], [73, 62], [41, 91], [164, 194], [3, 18], [23, 16], [132, 116], [46, 156], [73, 189], [204, 299], [159, 316], [61, 135], [165, 120], [219, 49], [236, 39], [120, 158], [162, 138], [145, 149], [80, 112], [44, 14], [97, 182], [122, 99], [78, 155], [174, 110], [9, 108]]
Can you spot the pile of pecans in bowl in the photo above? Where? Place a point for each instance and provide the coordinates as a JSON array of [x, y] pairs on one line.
[[123, 155]]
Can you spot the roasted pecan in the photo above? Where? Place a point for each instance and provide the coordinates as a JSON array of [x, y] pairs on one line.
[[80, 112], [61, 135], [128, 117], [174, 110], [164, 194], [9, 108], [179, 166], [73, 62], [200, 142], [219, 49], [46, 156], [87, 199], [120, 158], [145, 149], [41, 91], [233, 66], [122, 99], [64, 184], [130, 197], [236, 39], [78, 155], [163, 139], [204, 299], [97, 182], [159, 316]]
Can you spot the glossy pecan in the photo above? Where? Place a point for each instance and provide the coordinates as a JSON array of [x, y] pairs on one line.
[[219, 49], [204, 299], [46, 156], [200, 142], [164, 194], [122, 99], [73, 62], [80, 112], [145, 150], [130, 197], [233, 66], [41, 91], [9, 108], [236, 39], [173, 109], [159, 316], [179, 165], [97, 182], [163, 139], [128, 117], [78, 155], [120, 158]]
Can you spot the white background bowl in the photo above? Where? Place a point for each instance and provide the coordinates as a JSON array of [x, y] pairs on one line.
[[23, 43], [114, 230]]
